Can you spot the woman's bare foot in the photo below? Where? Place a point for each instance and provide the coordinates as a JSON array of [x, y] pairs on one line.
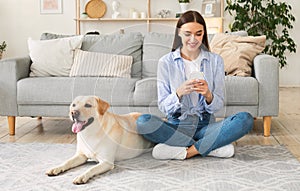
[[191, 151]]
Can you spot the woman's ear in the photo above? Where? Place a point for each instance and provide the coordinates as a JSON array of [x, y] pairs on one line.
[[179, 32]]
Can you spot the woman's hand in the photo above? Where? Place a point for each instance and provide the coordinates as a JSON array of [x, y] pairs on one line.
[[185, 88], [201, 87]]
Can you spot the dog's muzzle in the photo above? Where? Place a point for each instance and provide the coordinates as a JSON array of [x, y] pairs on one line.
[[79, 125]]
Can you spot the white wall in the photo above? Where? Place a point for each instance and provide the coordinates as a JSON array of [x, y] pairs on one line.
[[289, 76], [20, 19]]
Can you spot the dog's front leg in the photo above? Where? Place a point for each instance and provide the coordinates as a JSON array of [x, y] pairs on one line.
[[75, 161], [98, 169]]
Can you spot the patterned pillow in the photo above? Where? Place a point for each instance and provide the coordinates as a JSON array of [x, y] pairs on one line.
[[101, 64]]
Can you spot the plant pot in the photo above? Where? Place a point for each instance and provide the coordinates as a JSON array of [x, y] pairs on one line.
[[184, 7], [84, 16], [0, 55]]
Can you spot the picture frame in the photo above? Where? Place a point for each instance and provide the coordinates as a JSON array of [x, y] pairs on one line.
[[51, 7], [209, 8]]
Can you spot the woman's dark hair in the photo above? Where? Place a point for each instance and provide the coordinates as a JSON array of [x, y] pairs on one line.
[[187, 17]]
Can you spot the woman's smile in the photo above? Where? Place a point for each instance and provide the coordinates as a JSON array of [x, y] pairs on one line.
[[193, 44]]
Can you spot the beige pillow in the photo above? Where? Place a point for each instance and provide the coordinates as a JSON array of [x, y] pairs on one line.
[[238, 52], [53, 57], [101, 64]]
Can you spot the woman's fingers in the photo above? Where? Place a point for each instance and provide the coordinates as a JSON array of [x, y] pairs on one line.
[[200, 86], [190, 86]]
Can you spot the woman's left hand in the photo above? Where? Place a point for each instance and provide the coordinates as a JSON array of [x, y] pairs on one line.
[[201, 87]]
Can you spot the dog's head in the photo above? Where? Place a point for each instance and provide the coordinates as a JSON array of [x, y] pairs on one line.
[[84, 110]]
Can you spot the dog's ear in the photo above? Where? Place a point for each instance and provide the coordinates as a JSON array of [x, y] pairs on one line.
[[102, 106]]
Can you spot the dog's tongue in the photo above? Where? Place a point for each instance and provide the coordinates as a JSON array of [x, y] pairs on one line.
[[77, 126]]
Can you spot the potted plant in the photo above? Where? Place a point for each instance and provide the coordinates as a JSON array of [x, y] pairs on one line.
[[184, 5], [2, 48], [84, 15], [265, 17]]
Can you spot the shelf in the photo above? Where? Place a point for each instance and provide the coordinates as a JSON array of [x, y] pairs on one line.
[[163, 19], [128, 19], [214, 24], [140, 19], [109, 19]]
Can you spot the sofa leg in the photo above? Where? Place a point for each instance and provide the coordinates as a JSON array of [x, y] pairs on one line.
[[267, 125], [11, 124]]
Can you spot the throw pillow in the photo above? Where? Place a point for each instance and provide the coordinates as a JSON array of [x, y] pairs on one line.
[[53, 57], [101, 64], [238, 52], [122, 44]]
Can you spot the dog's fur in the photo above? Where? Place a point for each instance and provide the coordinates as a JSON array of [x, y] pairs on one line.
[[101, 136]]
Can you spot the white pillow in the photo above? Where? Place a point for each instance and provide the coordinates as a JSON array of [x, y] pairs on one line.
[[53, 57], [101, 64]]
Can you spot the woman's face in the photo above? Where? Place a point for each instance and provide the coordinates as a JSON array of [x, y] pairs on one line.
[[191, 35]]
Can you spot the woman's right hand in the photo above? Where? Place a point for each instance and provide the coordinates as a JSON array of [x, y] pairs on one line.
[[186, 88]]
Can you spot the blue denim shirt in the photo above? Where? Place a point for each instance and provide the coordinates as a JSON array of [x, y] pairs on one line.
[[171, 74]]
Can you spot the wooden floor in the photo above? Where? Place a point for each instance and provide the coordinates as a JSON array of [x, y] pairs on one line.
[[285, 128]]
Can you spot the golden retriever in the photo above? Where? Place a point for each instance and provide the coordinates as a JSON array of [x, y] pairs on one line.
[[102, 136]]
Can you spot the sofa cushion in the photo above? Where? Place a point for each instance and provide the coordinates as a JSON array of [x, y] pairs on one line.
[[52, 57], [123, 44], [238, 52], [145, 93], [241, 91], [155, 46], [62, 90], [101, 64]]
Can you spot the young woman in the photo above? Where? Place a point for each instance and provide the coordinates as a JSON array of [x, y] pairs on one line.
[[191, 85]]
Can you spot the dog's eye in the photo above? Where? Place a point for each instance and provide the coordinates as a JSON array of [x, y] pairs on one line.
[[73, 105], [87, 105]]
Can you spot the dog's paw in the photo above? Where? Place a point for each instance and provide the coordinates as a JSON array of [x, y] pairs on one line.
[[82, 179], [54, 172]]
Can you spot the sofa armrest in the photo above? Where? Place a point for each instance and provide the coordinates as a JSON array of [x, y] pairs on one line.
[[266, 71], [11, 70]]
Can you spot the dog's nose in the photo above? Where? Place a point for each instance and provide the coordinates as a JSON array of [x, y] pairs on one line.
[[75, 114]]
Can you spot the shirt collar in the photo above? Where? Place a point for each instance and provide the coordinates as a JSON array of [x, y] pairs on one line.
[[204, 56]]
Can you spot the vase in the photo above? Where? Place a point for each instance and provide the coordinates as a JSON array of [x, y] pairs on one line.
[[184, 7], [0, 55]]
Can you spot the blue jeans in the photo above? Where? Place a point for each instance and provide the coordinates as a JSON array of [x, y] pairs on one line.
[[206, 134]]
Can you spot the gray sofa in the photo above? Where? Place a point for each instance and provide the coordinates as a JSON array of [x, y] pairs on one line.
[[22, 95]]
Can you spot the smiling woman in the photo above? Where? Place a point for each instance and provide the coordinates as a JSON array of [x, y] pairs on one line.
[[190, 104]]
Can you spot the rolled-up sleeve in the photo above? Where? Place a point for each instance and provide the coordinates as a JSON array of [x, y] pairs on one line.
[[168, 101]]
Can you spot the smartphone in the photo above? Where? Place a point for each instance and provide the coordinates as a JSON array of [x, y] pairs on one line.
[[197, 75]]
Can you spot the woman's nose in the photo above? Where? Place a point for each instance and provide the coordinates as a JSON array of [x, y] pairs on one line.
[[192, 38]]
